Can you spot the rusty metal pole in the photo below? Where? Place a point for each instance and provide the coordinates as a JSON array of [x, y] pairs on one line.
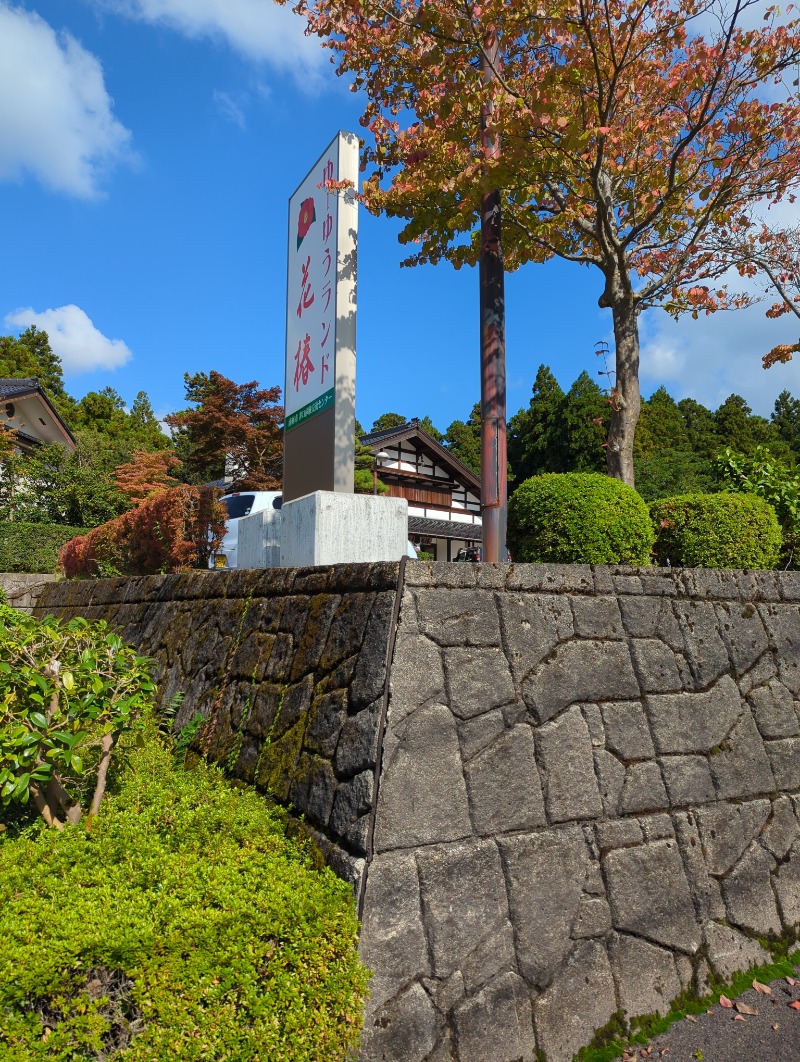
[[494, 486]]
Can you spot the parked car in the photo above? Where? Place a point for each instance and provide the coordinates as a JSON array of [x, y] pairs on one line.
[[237, 505]]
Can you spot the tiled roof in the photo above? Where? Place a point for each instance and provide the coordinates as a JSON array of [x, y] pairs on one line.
[[421, 525], [413, 429], [12, 388]]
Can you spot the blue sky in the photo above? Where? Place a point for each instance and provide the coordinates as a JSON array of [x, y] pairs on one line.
[[148, 149]]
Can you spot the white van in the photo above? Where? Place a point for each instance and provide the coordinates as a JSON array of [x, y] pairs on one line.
[[237, 505]]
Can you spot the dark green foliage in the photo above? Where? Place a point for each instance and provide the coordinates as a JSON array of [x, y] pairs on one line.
[[463, 440], [700, 427], [31, 356], [578, 517], [388, 420], [716, 531], [673, 472], [585, 418], [206, 927], [786, 421], [773, 480], [53, 485], [33, 548], [739, 428], [533, 434], [427, 425]]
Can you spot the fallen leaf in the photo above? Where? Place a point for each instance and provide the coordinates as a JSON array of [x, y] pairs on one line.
[[710, 1010], [795, 1005], [725, 1002], [776, 1026], [763, 990], [646, 1052], [792, 981], [744, 1008], [738, 1017], [663, 1051], [691, 1017]]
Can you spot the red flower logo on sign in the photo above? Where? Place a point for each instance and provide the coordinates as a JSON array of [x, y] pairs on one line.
[[307, 218]]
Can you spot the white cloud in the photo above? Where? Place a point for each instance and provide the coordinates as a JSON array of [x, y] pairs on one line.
[[74, 338], [258, 29], [713, 357], [229, 108], [56, 120]]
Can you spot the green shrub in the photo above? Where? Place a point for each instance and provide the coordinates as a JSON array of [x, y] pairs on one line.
[[716, 531], [578, 517], [183, 925], [33, 548]]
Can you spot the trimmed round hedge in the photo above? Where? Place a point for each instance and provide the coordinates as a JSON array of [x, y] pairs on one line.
[[578, 518], [722, 530]]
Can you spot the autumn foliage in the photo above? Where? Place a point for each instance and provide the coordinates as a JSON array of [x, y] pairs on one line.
[[171, 530], [633, 134], [145, 474], [233, 430]]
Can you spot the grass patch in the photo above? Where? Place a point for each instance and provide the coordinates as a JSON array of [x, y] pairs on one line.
[[183, 925]]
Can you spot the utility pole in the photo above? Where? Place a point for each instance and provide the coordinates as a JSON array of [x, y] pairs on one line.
[[494, 463]]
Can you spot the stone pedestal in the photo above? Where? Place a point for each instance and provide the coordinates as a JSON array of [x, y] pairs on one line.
[[259, 544], [336, 528]]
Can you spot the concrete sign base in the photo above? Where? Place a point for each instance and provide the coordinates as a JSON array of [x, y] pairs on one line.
[[260, 540], [332, 528]]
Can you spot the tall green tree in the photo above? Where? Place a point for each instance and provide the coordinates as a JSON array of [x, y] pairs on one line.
[[388, 420], [535, 440], [786, 421], [585, 420], [463, 439]]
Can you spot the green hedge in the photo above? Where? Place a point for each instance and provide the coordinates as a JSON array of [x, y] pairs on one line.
[[181, 924], [578, 518], [716, 531], [33, 547]]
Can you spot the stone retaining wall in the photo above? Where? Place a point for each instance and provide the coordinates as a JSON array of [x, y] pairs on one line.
[[588, 799], [287, 668], [22, 591], [587, 789]]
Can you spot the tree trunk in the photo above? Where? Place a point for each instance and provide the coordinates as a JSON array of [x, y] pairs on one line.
[[626, 398], [106, 746], [494, 461]]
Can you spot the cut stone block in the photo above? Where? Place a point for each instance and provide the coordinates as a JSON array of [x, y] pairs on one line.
[[565, 750], [580, 1000]]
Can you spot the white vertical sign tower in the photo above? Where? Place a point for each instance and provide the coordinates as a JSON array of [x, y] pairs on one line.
[[321, 326]]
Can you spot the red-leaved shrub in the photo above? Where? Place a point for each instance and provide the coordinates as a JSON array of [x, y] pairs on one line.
[[175, 529]]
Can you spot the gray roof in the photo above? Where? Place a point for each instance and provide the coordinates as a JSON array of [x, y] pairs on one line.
[[421, 525], [14, 388]]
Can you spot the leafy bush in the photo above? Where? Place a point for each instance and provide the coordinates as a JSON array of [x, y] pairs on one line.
[[716, 531], [183, 926], [67, 692], [174, 529], [771, 479], [33, 547], [578, 517]]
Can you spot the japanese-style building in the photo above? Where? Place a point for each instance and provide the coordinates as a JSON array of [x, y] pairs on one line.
[[443, 495], [26, 410]]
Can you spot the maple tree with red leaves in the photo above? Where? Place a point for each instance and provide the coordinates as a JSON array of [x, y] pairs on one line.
[[234, 430], [146, 474], [172, 530], [632, 133]]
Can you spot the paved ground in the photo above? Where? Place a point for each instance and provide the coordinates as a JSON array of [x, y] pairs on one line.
[[771, 1035]]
